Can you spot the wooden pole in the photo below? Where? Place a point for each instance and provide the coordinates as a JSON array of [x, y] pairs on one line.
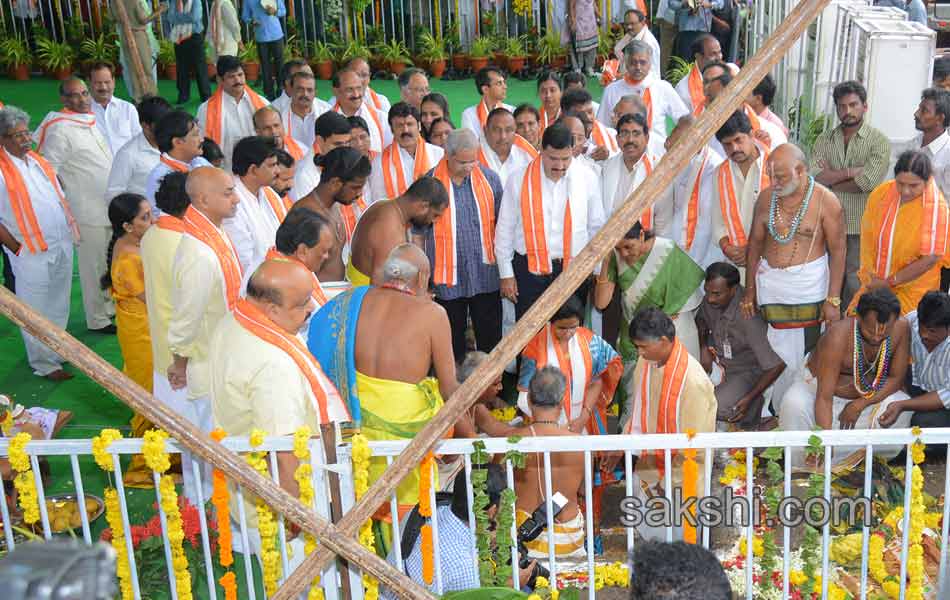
[[201, 444], [578, 270], [135, 60]]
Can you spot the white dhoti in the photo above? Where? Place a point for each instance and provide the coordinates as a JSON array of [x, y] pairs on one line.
[[92, 266], [798, 414], [784, 296], [198, 412], [685, 324], [44, 281]]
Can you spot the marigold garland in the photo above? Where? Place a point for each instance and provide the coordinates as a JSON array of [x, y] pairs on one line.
[[25, 481], [690, 476], [361, 454], [266, 522], [229, 583], [220, 499], [915, 553], [425, 511], [114, 519], [304, 477], [100, 447]]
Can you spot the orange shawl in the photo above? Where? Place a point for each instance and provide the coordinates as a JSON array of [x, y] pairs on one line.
[[329, 406], [290, 144], [214, 115], [351, 214], [532, 219], [280, 206], [317, 294], [44, 128], [695, 86], [392, 163], [692, 209], [374, 98], [729, 203], [646, 217], [933, 225], [647, 98], [173, 163], [601, 138], [519, 142], [446, 252], [199, 227], [372, 117], [22, 204], [170, 223]]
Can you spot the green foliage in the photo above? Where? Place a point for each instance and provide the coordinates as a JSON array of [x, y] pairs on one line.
[[453, 39], [100, 49], [482, 47], [807, 123], [503, 538], [480, 510], [293, 47], [431, 47], [76, 31], [375, 36], [549, 47], [678, 70], [14, 51], [249, 53], [394, 51], [811, 541], [54, 55], [166, 53], [514, 46], [39, 32], [360, 6], [321, 51], [355, 49]]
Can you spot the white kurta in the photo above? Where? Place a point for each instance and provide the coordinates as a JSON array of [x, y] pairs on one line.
[[43, 280], [939, 153], [237, 121], [118, 121], [618, 181], [253, 227], [80, 155], [587, 215], [646, 36], [302, 128], [747, 188], [306, 177], [664, 101], [517, 159], [376, 186], [380, 135], [470, 118], [704, 250], [159, 171], [777, 137], [132, 165]]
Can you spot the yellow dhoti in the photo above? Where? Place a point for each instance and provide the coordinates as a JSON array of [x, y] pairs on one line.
[[356, 277], [568, 538]]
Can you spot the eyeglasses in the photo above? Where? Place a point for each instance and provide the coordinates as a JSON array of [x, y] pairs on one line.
[[18, 134], [82, 94], [627, 133], [724, 79]]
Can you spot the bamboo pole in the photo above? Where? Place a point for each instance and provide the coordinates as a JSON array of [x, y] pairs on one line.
[[578, 270], [143, 83], [201, 445]]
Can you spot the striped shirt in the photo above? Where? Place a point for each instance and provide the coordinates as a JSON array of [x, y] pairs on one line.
[[931, 370], [868, 149]]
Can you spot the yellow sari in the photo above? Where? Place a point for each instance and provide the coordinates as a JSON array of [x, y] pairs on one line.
[[131, 319]]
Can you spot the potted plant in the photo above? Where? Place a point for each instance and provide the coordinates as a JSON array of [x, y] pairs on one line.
[[166, 60], [551, 52], [375, 39], [395, 56], [453, 46], [432, 50], [56, 58], [249, 60], [322, 59], [15, 56], [514, 49], [355, 49], [98, 49], [480, 52]]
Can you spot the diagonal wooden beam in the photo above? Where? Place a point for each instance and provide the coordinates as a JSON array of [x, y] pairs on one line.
[[201, 445], [578, 270]]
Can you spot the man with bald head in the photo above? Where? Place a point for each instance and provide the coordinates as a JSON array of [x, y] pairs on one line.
[[262, 376], [206, 283], [633, 104], [394, 336], [268, 123], [502, 149], [350, 93], [795, 259]]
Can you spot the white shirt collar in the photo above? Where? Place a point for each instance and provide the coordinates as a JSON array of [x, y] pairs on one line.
[[939, 143]]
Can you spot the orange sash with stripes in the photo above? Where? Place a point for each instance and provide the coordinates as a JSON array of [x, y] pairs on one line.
[[392, 163], [695, 86], [329, 406], [214, 115], [933, 225], [539, 349], [601, 138], [532, 219], [753, 118], [173, 163], [199, 227], [317, 294], [374, 98], [482, 111], [280, 206], [446, 252], [22, 204], [351, 214], [170, 223], [646, 217], [729, 203], [290, 144], [692, 209], [519, 142], [44, 128], [546, 120], [647, 98], [372, 117]]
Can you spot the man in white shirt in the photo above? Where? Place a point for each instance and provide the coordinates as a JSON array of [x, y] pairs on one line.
[[635, 28], [134, 162], [413, 87], [705, 50], [304, 108], [332, 131], [282, 102], [268, 123], [115, 118], [179, 141], [408, 158], [633, 104], [716, 76], [502, 150], [739, 179], [492, 87], [624, 172], [228, 115], [931, 120], [602, 142], [531, 255], [580, 126], [42, 255], [375, 100], [693, 201], [80, 155], [351, 100], [255, 219], [658, 95]]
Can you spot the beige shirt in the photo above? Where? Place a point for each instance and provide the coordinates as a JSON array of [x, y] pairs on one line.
[[158, 255], [747, 190]]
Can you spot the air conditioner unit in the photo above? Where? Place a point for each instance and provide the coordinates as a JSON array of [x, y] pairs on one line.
[[847, 41], [830, 22]]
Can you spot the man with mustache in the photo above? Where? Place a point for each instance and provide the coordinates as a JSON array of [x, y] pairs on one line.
[[635, 28], [795, 260], [931, 120], [658, 95], [287, 71], [601, 140], [532, 253], [268, 123], [632, 103], [851, 160], [705, 49], [502, 149], [493, 88], [408, 158], [349, 91], [305, 108]]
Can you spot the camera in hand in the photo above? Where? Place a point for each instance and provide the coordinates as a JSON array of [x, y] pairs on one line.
[[531, 528]]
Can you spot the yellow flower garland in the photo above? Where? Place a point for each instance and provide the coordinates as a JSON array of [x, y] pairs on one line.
[[100, 447], [25, 481], [361, 455], [266, 522], [877, 569], [304, 477], [915, 553]]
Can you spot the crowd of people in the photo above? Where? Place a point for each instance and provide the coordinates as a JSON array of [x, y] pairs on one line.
[[302, 262]]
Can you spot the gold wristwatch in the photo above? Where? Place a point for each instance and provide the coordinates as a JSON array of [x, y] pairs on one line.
[[834, 301]]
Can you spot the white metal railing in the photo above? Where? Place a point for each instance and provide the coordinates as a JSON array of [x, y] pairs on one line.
[[870, 440]]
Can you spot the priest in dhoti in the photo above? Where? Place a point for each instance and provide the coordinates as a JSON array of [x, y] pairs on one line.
[[254, 352], [76, 149], [408, 158], [671, 393], [140, 16]]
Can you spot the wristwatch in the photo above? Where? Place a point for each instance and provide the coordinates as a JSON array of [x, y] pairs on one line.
[[834, 301]]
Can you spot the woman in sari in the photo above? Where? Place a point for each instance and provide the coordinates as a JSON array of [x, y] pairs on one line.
[[904, 233], [650, 272], [131, 216], [434, 106], [549, 93]]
